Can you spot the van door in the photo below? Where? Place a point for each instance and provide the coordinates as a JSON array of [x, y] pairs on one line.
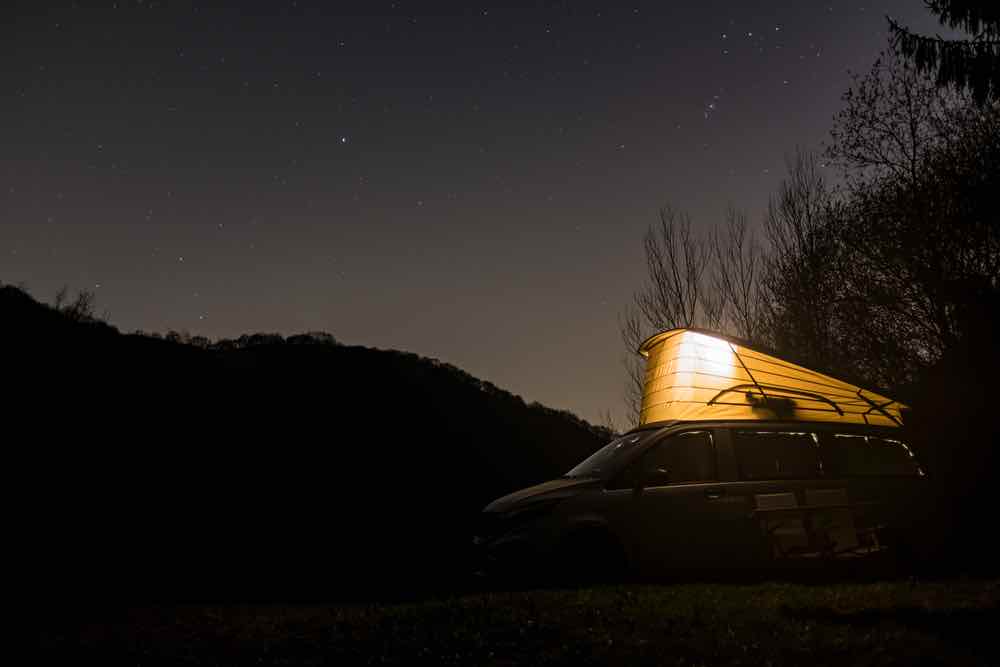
[[781, 475], [878, 473], [672, 519]]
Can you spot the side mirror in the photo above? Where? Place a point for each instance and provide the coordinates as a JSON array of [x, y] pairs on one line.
[[656, 476]]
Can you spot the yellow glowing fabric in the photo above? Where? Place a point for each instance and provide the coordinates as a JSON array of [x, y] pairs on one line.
[[692, 375]]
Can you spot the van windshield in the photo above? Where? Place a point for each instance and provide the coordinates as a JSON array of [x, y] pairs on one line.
[[607, 457]]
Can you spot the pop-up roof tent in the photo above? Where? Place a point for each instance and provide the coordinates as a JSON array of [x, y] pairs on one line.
[[692, 374]]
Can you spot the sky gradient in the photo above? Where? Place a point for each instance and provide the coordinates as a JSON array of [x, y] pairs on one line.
[[466, 181]]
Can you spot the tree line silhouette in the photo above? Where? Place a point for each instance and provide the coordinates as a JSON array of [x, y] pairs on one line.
[[877, 262], [260, 467]]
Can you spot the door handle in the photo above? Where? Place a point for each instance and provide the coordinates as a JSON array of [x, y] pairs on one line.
[[714, 494]]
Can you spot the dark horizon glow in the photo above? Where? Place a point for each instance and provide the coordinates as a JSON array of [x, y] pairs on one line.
[[467, 182]]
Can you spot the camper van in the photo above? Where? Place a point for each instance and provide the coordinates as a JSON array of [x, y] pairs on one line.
[[741, 460]]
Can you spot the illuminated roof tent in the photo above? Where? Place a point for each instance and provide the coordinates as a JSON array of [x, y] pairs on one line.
[[694, 375]]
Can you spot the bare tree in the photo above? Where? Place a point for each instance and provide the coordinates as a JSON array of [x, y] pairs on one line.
[[676, 294], [920, 234], [875, 278], [801, 282], [609, 424], [893, 119], [676, 260], [738, 263], [711, 281], [81, 309], [631, 328], [61, 297]]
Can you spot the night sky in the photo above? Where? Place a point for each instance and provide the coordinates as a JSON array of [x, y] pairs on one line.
[[465, 181]]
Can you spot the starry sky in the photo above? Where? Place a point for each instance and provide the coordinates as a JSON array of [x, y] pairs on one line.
[[467, 181]]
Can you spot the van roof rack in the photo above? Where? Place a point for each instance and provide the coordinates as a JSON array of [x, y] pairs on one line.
[[779, 390]]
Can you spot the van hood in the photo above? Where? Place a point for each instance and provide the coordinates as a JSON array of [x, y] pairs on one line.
[[552, 490]]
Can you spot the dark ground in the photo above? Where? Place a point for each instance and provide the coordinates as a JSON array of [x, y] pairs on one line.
[[881, 623]]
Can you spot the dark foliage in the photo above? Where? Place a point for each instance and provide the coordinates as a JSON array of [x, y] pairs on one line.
[[891, 280], [918, 226], [257, 468], [955, 428], [920, 229], [972, 64]]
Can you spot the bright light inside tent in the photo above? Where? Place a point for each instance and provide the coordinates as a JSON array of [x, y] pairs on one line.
[[715, 356]]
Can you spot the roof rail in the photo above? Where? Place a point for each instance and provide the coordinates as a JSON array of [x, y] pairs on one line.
[[876, 406], [783, 390]]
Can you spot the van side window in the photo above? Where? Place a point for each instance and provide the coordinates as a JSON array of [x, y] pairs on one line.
[[777, 455], [849, 455], [690, 457]]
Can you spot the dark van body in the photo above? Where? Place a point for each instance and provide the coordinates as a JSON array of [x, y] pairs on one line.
[[715, 494]]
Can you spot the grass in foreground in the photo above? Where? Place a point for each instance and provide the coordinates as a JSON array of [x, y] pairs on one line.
[[899, 623]]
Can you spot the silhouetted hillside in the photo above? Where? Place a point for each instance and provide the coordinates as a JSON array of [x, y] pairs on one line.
[[255, 467]]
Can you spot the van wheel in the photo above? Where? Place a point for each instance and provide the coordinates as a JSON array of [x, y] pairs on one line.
[[590, 556]]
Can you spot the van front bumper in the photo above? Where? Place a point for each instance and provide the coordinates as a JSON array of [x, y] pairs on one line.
[[506, 549]]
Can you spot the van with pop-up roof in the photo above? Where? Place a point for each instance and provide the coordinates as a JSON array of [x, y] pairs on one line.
[[740, 460]]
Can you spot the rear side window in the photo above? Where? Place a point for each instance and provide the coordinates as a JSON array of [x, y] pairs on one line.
[[777, 455], [849, 455]]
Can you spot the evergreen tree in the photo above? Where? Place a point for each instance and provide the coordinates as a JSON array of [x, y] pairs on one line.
[[972, 64]]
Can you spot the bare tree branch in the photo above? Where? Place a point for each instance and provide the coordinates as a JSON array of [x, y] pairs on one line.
[[736, 278]]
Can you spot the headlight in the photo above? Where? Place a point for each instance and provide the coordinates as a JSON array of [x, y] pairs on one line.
[[493, 525]]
